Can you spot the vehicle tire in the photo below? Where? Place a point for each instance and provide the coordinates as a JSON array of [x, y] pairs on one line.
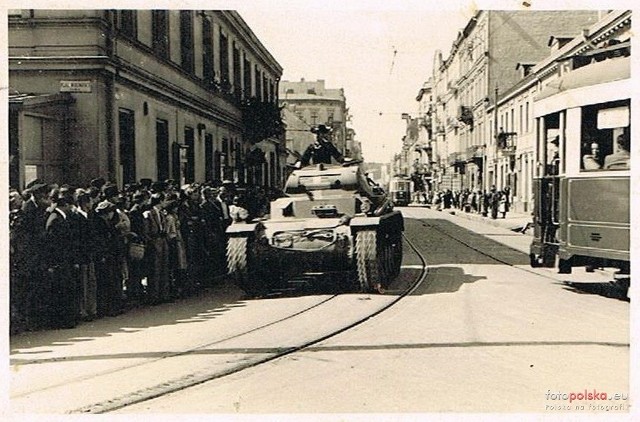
[[564, 266], [241, 265], [548, 257], [368, 268], [534, 260]]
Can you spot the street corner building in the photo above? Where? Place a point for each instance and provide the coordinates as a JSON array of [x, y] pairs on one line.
[[132, 94]]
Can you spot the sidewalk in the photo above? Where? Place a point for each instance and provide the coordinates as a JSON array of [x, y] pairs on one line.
[[513, 221]]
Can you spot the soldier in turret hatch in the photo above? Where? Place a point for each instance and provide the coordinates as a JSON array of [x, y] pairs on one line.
[[321, 150]]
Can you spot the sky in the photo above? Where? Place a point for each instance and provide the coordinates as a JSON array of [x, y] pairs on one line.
[[379, 51], [381, 56]]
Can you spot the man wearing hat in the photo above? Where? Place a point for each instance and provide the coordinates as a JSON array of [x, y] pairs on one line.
[[193, 235], [213, 225], [110, 192], [59, 260], [321, 150], [157, 252], [137, 269], [29, 260], [109, 282], [82, 220]]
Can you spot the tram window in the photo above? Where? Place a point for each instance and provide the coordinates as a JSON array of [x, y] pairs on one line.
[[605, 137], [591, 155], [620, 158], [605, 153]]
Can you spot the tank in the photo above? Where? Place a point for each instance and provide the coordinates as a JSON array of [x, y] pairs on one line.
[[332, 219]]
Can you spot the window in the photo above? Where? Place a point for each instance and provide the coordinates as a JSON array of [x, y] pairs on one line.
[[186, 40], [520, 123], [272, 169], [127, 134], [128, 23], [209, 170], [258, 82], [247, 77], [226, 165], [513, 125], [224, 62], [160, 32], [207, 52], [330, 116], [191, 154], [162, 149], [237, 80], [605, 141], [265, 88]]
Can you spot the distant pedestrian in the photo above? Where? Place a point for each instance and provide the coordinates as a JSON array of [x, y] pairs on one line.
[[494, 201]]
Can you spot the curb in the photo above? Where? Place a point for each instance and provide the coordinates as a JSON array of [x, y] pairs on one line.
[[513, 224]]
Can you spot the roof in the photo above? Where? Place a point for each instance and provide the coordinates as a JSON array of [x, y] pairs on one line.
[[594, 74]]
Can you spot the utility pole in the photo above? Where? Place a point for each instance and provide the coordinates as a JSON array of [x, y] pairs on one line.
[[495, 133]]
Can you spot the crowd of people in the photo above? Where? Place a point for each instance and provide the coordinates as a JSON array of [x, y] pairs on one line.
[[494, 203], [77, 254]]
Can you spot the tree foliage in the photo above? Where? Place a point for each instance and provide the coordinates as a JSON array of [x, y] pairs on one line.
[[261, 120]]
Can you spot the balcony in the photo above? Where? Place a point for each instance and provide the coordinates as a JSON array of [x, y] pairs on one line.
[[453, 122], [465, 115], [457, 158], [507, 142], [422, 147]]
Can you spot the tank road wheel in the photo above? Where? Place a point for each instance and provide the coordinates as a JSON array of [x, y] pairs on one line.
[[369, 270], [241, 265]]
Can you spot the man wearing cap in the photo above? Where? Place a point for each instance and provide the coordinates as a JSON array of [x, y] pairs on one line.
[[321, 150]]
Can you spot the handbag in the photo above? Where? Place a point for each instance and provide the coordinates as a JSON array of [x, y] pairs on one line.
[[136, 251]]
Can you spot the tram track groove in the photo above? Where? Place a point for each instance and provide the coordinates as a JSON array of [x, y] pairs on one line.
[[523, 268], [194, 379]]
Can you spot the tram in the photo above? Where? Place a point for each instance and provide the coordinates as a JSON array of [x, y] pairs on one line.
[[400, 190], [582, 186]]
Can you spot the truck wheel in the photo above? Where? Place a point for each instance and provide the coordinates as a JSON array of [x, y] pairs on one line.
[[369, 270]]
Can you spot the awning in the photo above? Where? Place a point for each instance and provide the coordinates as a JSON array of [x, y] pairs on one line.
[[38, 100]]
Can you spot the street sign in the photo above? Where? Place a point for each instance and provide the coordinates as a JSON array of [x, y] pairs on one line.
[[75, 86]]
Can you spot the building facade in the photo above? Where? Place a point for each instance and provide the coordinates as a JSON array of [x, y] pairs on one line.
[[513, 156], [157, 94], [486, 60], [314, 104]]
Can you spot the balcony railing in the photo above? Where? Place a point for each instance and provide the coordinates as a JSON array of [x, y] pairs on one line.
[[507, 142], [465, 115]]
